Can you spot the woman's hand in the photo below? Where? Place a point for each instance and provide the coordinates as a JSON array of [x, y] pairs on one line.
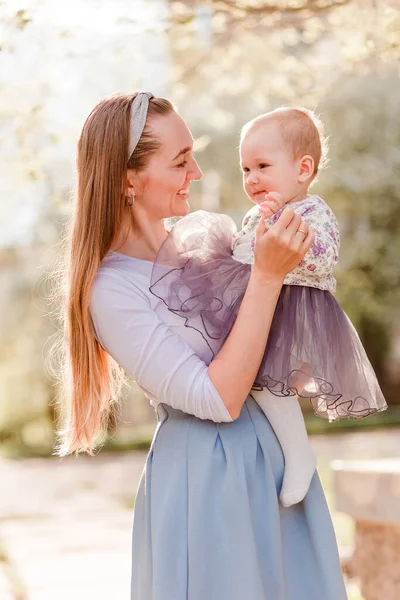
[[279, 249]]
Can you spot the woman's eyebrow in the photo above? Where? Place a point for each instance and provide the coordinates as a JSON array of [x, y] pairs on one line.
[[187, 149]]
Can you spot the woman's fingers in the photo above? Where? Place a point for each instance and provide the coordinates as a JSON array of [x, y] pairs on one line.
[[303, 239], [293, 226], [290, 230], [286, 225], [281, 249], [307, 242], [302, 231], [293, 231], [260, 229], [289, 223]]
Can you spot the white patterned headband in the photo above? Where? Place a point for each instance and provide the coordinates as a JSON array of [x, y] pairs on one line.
[[139, 108]]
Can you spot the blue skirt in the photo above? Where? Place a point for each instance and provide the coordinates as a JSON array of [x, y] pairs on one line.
[[208, 524]]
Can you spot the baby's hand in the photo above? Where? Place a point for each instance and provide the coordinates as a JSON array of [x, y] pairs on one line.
[[272, 203]]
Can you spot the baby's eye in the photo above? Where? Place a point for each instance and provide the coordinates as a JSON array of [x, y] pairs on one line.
[[245, 170], [263, 165]]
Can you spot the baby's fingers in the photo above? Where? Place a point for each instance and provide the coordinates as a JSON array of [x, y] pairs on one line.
[[268, 207], [266, 211], [276, 199]]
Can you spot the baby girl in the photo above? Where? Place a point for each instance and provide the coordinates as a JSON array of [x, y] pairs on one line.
[[313, 350]]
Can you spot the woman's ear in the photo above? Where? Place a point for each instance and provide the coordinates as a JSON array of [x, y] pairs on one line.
[[306, 168], [130, 182]]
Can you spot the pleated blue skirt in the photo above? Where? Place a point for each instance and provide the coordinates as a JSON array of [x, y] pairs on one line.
[[208, 524]]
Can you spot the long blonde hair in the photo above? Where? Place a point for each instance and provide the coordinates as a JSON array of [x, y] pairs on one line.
[[90, 380]]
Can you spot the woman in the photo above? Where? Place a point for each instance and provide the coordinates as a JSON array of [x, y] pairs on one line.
[[207, 521]]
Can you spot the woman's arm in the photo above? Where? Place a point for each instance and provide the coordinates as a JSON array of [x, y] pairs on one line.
[[277, 252], [164, 366]]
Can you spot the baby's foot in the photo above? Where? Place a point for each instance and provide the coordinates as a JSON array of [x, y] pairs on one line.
[[297, 476]]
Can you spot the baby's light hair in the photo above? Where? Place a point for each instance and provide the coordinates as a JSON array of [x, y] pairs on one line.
[[302, 133]]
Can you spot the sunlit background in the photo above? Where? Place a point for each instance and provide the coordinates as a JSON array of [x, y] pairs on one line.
[[221, 62]]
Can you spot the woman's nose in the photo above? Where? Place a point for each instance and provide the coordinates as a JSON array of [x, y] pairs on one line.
[[195, 172]]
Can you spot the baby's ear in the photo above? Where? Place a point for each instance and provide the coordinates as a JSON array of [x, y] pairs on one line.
[[306, 168]]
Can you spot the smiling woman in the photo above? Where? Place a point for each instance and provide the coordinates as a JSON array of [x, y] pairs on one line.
[[212, 478]]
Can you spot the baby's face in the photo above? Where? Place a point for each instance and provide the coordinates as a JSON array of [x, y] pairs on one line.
[[266, 164]]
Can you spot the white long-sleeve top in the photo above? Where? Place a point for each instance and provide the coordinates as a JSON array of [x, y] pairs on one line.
[[315, 270], [167, 360]]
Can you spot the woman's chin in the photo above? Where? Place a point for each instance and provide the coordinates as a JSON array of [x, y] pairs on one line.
[[182, 210]]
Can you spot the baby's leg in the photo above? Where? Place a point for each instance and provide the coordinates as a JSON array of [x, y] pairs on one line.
[[287, 421]]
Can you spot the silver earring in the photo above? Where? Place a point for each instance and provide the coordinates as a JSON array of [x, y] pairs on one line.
[[129, 200]]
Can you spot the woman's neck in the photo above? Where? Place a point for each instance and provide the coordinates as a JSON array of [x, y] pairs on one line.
[[143, 239]]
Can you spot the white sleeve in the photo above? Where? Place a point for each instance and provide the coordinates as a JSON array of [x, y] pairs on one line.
[[162, 364]]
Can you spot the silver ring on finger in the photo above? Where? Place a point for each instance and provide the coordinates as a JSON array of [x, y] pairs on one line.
[[303, 231]]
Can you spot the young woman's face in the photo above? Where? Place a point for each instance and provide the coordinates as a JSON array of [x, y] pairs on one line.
[[267, 165], [162, 188]]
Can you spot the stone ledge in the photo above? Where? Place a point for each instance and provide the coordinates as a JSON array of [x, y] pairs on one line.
[[368, 490]]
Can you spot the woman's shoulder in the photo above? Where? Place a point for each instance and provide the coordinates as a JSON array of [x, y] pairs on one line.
[[124, 275]]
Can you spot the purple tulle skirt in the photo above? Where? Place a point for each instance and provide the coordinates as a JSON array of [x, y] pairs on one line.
[[313, 349]]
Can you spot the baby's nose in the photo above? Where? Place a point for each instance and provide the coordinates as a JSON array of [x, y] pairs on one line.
[[252, 178]]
